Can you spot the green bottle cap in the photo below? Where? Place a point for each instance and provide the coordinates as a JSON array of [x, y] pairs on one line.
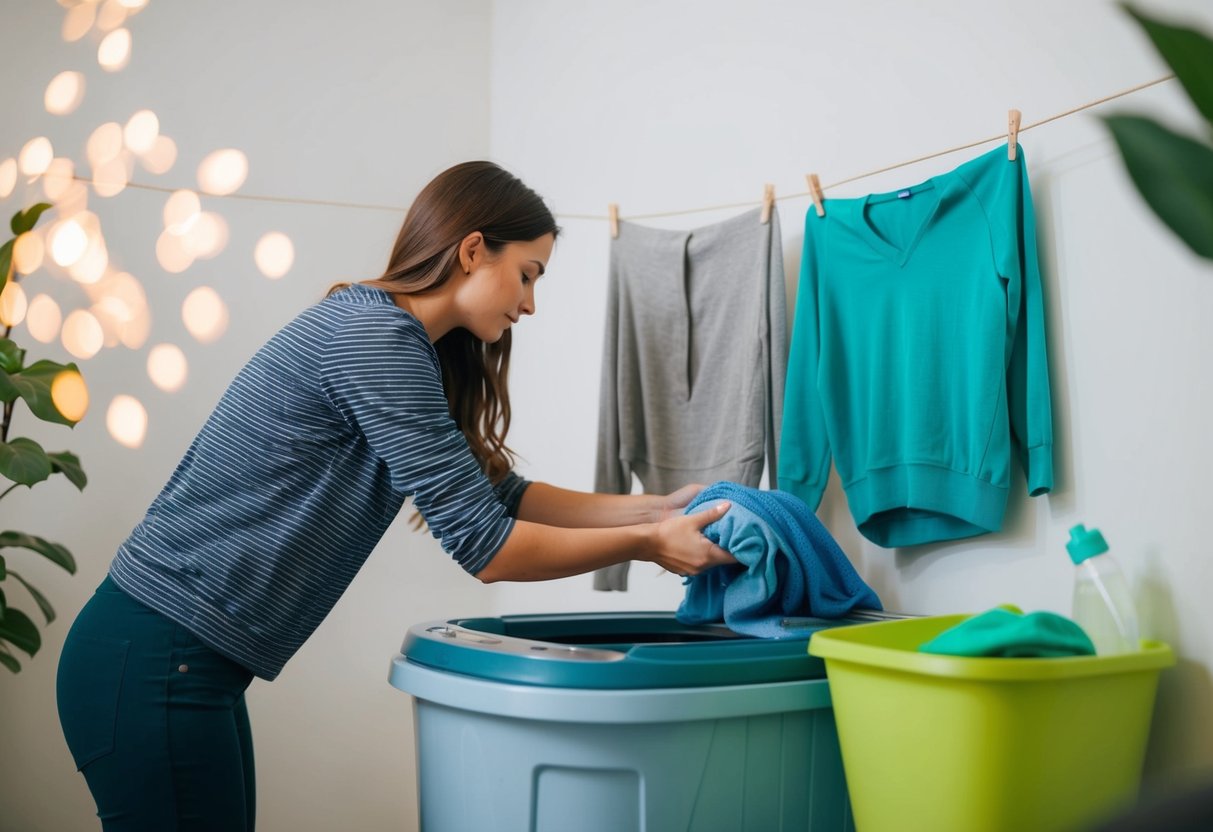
[[1085, 543]]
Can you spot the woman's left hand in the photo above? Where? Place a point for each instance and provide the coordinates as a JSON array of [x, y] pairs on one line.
[[676, 501]]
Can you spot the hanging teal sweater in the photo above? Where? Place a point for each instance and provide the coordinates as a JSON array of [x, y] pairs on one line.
[[918, 355]]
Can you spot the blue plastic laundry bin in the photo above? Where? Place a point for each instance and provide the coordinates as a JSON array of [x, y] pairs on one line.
[[619, 721]]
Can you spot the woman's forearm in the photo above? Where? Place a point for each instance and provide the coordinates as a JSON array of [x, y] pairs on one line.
[[552, 506], [535, 552]]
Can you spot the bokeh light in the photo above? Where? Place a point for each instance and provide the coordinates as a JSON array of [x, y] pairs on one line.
[[8, 176], [91, 267], [73, 201], [181, 211], [82, 335], [43, 319], [120, 304], [113, 314], [104, 144], [206, 237], [69, 394], [58, 178], [94, 259], [28, 252], [126, 420], [167, 367], [36, 156], [204, 314], [68, 242], [274, 254], [114, 53], [111, 178], [141, 131], [223, 172], [78, 20], [110, 16], [13, 305], [64, 93], [172, 254], [161, 158]]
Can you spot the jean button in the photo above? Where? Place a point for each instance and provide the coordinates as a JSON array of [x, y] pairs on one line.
[[183, 668]]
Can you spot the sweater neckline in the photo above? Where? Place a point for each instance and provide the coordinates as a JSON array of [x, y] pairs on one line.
[[931, 189]]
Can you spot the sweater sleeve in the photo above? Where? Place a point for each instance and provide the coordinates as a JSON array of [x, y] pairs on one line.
[[381, 374], [1008, 203], [510, 491], [804, 463], [611, 475], [776, 347]]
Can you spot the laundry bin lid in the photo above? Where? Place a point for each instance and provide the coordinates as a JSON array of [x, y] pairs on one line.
[[613, 650]]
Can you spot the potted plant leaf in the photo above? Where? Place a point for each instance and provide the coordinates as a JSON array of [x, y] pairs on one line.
[[1174, 172], [53, 393]]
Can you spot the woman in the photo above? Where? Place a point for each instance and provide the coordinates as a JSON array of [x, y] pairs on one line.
[[391, 388]]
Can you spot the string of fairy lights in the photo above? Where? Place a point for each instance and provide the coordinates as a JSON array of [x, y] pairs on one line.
[[71, 243]]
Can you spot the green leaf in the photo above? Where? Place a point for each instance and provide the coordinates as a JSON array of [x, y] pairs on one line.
[[34, 385], [1189, 53], [68, 464], [6, 659], [52, 551], [1174, 174], [25, 220], [2, 603], [11, 356], [17, 628], [8, 390], [6, 262], [39, 598], [23, 460]]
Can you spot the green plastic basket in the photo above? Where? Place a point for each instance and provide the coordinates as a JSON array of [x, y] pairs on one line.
[[933, 742]]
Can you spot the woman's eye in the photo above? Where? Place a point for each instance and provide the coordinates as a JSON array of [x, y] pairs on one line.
[[525, 279]]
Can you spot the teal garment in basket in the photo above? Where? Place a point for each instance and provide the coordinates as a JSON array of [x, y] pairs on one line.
[[789, 566], [1003, 634]]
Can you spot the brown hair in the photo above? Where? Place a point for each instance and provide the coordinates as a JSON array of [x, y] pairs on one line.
[[472, 196]]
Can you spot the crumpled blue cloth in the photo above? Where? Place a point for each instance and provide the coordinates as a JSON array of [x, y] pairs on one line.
[[789, 566]]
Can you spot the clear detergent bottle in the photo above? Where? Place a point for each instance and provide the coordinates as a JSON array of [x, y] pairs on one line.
[[1103, 606]]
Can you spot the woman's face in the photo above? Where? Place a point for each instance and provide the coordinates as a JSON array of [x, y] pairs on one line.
[[499, 287]]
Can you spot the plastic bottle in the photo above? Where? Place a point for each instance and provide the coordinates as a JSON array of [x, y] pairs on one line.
[[1103, 606]]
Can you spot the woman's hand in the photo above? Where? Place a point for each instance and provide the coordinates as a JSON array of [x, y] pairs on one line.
[[679, 543], [673, 504]]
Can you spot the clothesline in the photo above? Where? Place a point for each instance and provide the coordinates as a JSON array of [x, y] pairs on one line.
[[997, 138], [680, 212]]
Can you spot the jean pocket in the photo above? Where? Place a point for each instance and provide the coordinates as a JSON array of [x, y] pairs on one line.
[[88, 688]]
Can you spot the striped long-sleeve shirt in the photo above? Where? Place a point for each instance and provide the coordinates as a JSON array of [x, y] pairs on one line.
[[294, 478]]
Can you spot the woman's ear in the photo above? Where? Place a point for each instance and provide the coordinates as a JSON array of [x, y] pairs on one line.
[[470, 250]]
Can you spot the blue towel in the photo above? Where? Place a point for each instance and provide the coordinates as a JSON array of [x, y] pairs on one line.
[[789, 566]]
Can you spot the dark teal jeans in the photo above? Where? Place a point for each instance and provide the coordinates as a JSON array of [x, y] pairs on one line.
[[155, 720]]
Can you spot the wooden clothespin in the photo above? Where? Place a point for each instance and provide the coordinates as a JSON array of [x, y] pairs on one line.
[[1013, 117], [816, 194], [768, 202], [613, 211]]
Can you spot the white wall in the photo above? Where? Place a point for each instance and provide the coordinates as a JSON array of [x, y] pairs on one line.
[[362, 104], [657, 106], [663, 106]]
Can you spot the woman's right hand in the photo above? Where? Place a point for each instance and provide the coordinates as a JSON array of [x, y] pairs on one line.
[[681, 547]]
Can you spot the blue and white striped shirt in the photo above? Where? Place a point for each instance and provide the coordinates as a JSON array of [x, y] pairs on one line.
[[294, 478]]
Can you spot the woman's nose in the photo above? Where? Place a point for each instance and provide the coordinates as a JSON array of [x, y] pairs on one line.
[[528, 302]]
